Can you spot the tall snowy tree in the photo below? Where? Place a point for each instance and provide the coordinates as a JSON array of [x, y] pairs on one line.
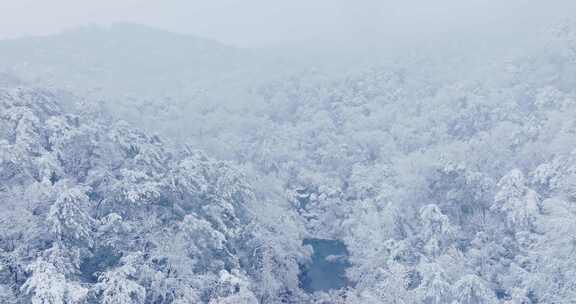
[[519, 204], [67, 216], [48, 286]]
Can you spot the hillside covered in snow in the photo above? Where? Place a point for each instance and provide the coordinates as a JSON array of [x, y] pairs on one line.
[[140, 166]]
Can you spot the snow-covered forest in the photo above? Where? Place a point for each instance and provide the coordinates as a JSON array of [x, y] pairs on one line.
[[140, 166]]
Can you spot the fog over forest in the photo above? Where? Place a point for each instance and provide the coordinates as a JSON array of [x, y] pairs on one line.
[[259, 152]]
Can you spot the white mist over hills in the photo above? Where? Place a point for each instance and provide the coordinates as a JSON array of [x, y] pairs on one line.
[[254, 23]]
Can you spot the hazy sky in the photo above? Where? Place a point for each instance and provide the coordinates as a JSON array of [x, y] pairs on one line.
[[265, 22]]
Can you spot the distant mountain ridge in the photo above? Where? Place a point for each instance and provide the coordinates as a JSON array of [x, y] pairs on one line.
[[121, 58]]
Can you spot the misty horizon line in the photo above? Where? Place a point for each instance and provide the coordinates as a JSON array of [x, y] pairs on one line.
[[371, 40]]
